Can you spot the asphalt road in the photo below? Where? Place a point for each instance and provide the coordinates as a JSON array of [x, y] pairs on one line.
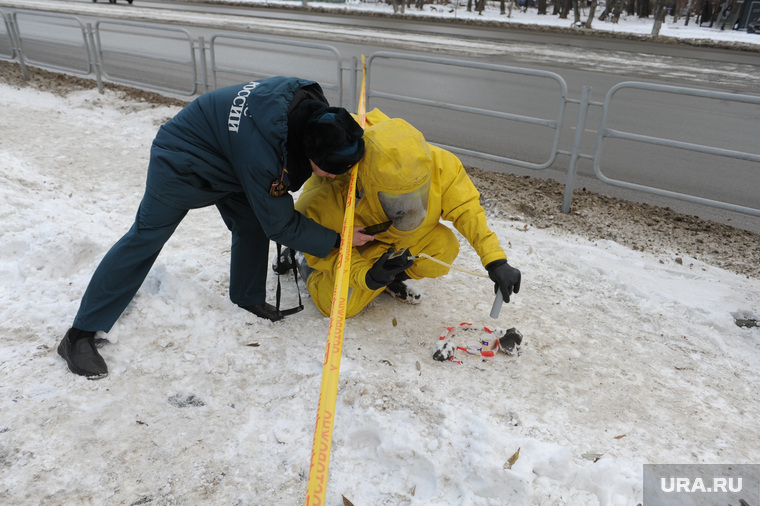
[[598, 63]]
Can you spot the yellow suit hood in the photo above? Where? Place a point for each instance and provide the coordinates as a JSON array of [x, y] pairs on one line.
[[397, 158]]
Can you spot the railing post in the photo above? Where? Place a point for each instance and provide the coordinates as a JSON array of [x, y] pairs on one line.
[[16, 44], [352, 82], [202, 59], [572, 168], [95, 61]]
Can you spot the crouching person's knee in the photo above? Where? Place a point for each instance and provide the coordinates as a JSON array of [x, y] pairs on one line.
[[441, 244], [321, 288]]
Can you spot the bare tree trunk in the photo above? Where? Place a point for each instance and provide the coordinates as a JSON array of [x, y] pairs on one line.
[[542, 7], [611, 7], [689, 7], [479, 6], [605, 12], [645, 9], [616, 12], [732, 15], [724, 11], [714, 10], [469, 5], [659, 15], [705, 12], [576, 12], [503, 7], [591, 11]]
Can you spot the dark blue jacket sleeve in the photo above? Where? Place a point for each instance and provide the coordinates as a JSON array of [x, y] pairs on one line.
[[279, 219]]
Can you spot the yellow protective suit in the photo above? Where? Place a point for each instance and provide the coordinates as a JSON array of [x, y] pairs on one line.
[[397, 160]]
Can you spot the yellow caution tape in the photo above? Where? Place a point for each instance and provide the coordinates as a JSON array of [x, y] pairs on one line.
[[328, 393]]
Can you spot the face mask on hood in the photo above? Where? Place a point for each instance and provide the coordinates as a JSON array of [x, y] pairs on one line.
[[395, 172], [407, 211]]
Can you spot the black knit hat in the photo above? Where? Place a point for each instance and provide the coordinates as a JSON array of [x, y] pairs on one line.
[[333, 140]]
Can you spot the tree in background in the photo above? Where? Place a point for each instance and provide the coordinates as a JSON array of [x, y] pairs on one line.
[[644, 8], [612, 7], [397, 7], [659, 16], [562, 7], [591, 11]]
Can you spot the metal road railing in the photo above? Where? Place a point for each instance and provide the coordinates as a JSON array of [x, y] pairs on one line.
[[163, 50], [604, 132], [7, 44], [552, 123], [67, 40], [328, 58], [101, 51]]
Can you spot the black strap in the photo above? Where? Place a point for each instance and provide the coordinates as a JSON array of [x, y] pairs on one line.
[[286, 312]]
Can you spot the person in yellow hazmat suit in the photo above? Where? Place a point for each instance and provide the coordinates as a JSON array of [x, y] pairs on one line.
[[403, 179]]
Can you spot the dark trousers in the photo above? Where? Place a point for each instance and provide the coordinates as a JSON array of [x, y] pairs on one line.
[[126, 265]]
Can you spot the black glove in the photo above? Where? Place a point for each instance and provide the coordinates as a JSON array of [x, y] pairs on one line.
[[385, 268], [505, 277]]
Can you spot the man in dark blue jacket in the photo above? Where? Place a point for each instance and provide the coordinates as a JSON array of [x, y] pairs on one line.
[[242, 149]]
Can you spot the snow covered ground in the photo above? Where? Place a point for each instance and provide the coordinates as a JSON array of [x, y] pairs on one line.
[[629, 358], [457, 11]]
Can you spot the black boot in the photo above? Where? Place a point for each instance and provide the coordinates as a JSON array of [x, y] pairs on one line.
[[265, 310], [78, 349]]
